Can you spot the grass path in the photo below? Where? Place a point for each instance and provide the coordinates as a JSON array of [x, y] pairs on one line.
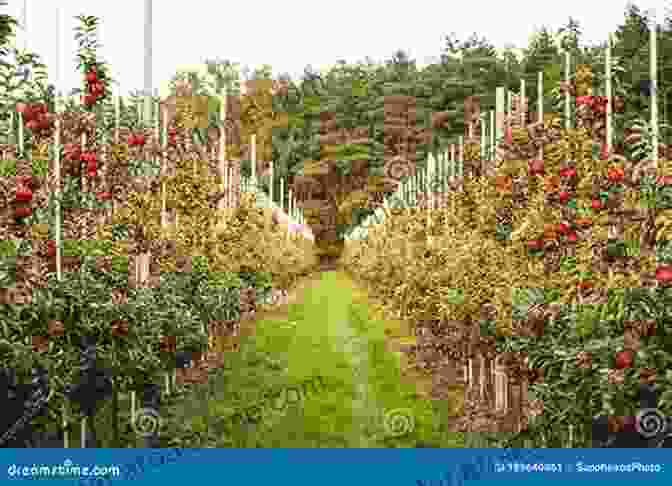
[[327, 331]]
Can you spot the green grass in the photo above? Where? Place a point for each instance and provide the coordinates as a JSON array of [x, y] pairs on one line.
[[327, 332]]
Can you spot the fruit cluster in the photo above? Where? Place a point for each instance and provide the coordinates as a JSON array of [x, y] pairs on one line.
[[172, 137], [598, 104], [91, 162], [136, 139], [24, 196], [615, 176], [35, 116], [73, 153], [95, 87]]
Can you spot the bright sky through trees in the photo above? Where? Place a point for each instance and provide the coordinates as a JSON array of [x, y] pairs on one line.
[[291, 34]]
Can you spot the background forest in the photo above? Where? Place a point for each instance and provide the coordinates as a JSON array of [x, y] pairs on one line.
[[354, 96]]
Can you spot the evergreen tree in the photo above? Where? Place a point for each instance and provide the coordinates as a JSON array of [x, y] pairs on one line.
[[541, 55], [472, 68], [632, 51], [570, 35]]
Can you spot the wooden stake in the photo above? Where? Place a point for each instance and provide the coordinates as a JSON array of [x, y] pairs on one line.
[[567, 108], [653, 66], [608, 94], [117, 116]]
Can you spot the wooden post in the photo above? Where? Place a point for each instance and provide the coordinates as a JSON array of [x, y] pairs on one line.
[[117, 117], [608, 93], [254, 160], [57, 166], [654, 87], [85, 180], [523, 105], [59, 264], [428, 193], [164, 166], [20, 117], [492, 135], [499, 107], [460, 162], [10, 132], [540, 95], [157, 124], [140, 120], [482, 138], [567, 108], [482, 380], [270, 192], [223, 171], [540, 104]]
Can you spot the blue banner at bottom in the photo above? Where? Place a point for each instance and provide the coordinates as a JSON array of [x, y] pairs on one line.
[[296, 467]]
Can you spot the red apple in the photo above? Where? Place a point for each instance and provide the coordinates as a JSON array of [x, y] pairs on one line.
[[596, 204], [21, 108], [571, 237], [615, 174], [32, 125], [535, 244], [563, 228], [51, 248], [88, 157], [604, 152], [22, 212], [568, 172], [624, 359], [508, 138], [564, 196], [536, 167], [104, 196], [664, 180], [26, 181], [664, 274], [23, 194], [43, 120], [91, 77]]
